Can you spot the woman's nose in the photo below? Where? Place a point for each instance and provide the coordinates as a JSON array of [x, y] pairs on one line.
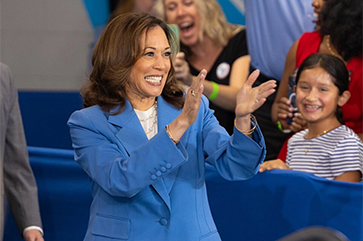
[[180, 10], [160, 63]]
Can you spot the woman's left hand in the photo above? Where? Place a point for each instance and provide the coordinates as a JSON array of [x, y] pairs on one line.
[[250, 99]]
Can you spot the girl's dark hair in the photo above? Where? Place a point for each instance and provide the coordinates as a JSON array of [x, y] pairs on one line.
[[342, 20], [117, 50], [334, 67]]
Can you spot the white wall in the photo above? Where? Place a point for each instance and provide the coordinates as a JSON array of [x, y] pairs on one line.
[[45, 43]]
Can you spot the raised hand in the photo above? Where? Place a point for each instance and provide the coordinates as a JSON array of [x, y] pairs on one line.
[[250, 99], [191, 107], [193, 98]]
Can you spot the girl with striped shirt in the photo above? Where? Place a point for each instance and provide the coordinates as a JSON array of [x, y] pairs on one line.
[[327, 148]]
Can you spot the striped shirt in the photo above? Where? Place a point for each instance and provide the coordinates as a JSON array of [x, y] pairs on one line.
[[329, 155]]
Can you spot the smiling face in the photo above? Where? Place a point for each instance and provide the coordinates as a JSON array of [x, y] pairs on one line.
[[317, 97], [184, 14], [149, 73], [317, 4]]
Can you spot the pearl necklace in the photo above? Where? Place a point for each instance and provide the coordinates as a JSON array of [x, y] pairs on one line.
[[150, 121]]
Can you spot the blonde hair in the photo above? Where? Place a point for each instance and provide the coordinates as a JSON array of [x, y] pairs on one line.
[[213, 21]]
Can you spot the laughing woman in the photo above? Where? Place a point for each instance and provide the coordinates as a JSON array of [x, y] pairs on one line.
[[144, 143], [208, 41]]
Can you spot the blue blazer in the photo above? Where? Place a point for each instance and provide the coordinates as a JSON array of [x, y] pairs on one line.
[[152, 189]]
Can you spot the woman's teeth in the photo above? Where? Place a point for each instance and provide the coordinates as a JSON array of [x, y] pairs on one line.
[[153, 79]]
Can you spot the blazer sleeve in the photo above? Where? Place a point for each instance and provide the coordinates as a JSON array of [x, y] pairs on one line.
[[19, 182], [235, 157]]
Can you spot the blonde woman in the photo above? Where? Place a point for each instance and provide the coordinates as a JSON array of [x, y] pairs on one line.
[[209, 42]]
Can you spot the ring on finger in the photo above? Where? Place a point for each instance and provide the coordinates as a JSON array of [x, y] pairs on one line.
[[192, 93]]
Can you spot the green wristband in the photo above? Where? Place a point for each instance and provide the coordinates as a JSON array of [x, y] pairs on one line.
[[279, 126], [278, 123], [214, 92]]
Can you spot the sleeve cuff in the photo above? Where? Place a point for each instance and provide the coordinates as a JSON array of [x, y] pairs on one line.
[[33, 227]]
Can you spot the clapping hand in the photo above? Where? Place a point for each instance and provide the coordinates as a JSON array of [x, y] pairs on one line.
[[250, 99], [191, 107]]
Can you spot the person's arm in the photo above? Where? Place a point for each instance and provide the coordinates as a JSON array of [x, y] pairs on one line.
[[281, 107], [19, 182], [353, 176], [226, 97]]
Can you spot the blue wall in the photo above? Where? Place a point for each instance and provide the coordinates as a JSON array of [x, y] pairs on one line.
[[45, 116]]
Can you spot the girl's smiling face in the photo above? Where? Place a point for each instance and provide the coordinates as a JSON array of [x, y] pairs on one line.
[[317, 97]]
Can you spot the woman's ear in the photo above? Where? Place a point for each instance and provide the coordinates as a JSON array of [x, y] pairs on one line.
[[343, 98]]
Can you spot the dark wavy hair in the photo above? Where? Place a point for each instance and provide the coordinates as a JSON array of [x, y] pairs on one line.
[[342, 20], [335, 67], [115, 53]]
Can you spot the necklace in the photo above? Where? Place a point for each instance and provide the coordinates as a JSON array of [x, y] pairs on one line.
[[330, 50], [148, 123], [306, 149]]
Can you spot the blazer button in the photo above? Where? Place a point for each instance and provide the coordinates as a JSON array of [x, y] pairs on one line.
[[163, 221], [168, 165], [153, 177], [163, 169], [158, 173]]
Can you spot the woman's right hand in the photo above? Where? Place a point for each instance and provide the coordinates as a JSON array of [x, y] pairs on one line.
[[191, 107]]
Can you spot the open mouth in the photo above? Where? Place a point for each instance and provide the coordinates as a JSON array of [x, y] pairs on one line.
[[153, 79], [185, 27]]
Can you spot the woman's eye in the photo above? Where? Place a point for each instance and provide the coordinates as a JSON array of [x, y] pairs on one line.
[[188, 3], [167, 54], [171, 7], [149, 54]]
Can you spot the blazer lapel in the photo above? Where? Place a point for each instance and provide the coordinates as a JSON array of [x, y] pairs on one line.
[[130, 132]]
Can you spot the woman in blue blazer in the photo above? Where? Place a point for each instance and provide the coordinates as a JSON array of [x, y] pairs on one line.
[[144, 143]]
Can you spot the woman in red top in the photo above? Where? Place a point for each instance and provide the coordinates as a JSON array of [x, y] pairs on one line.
[[339, 33]]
